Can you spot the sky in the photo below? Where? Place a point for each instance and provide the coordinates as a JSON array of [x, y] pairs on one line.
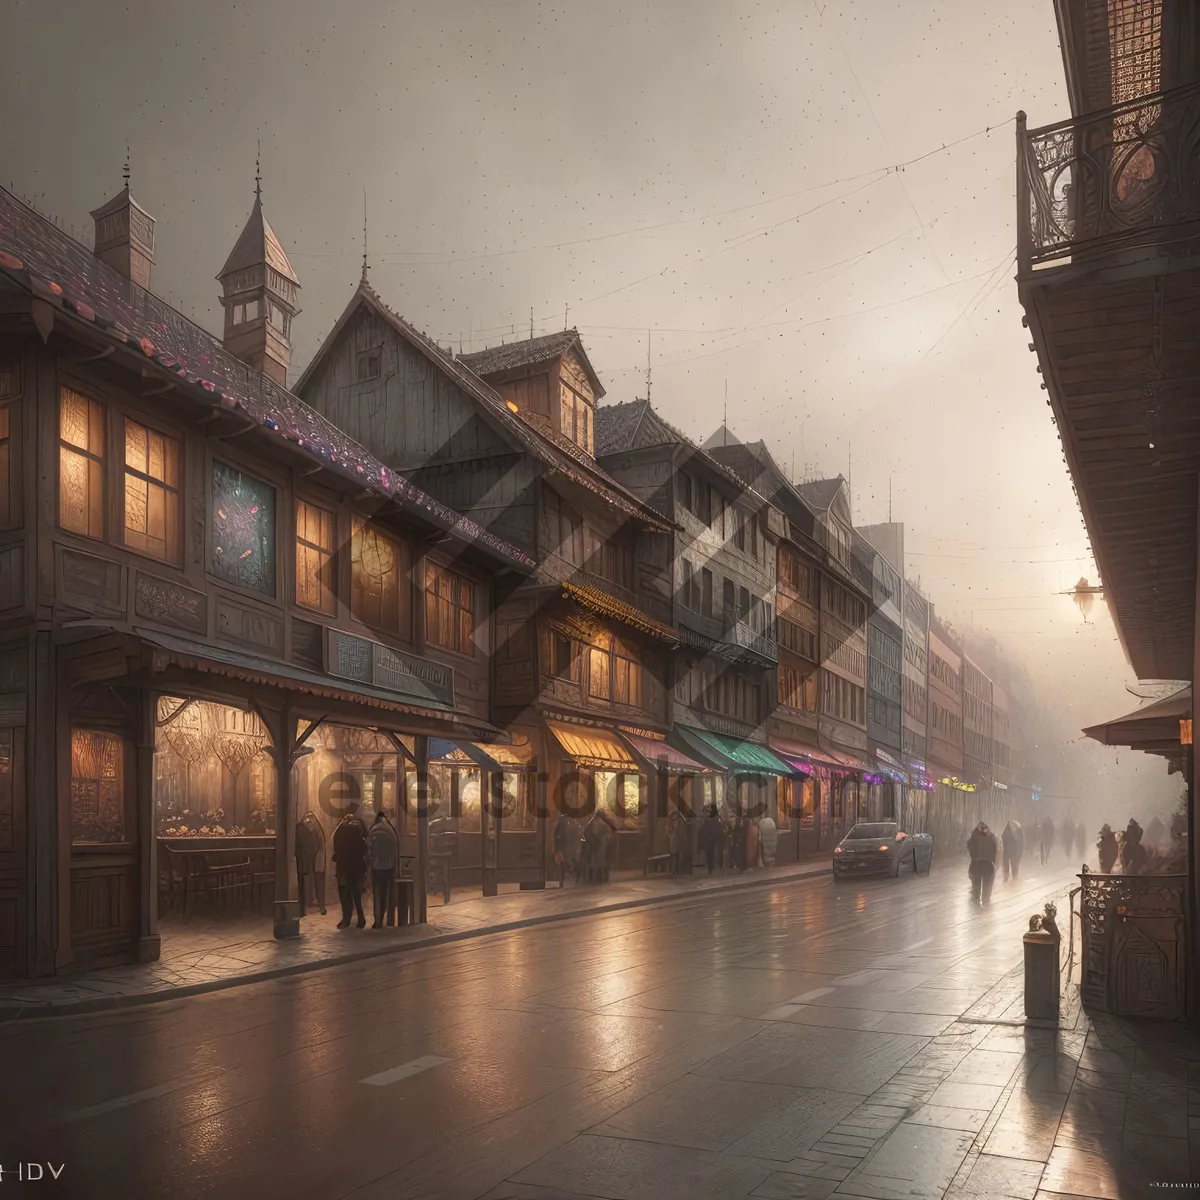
[[799, 215]]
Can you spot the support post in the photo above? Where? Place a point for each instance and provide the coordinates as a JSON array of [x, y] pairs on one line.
[[492, 797], [282, 728], [421, 880], [149, 943], [1024, 240]]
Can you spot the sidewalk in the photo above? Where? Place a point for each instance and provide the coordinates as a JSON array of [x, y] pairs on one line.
[[198, 959]]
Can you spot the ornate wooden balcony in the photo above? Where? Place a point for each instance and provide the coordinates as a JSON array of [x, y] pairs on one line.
[[1126, 177]]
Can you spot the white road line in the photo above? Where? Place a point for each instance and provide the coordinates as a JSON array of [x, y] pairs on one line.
[[815, 994], [124, 1101], [857, 979], [781, 1013], [404, 1071]]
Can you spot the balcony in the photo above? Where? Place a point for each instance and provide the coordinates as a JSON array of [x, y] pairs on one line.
[[731, 638], [1124, 178]]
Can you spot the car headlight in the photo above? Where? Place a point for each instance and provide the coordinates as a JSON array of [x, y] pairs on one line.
[[885, 848], [837, 849]]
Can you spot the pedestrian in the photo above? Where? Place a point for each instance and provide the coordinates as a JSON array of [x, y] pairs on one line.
[[738, 843], [350, 864], [984, 851], [712, 839], [753, 845], [598, 835], [566, 847], [383, 850], [1133, 854], [1155, 835], [1013, 839], [768, 839], [310, 860], [674, 822], [1106, 846], [1048, 832]]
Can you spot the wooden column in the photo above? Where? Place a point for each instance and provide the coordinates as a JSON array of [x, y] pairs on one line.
[[491, 801], [47, 864], [282, 728], [149, 943], [421, 874]]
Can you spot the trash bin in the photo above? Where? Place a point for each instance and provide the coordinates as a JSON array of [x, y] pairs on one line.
[[1041, 975]]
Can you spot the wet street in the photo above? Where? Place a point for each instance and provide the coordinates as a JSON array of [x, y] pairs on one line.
[[784, 1041]]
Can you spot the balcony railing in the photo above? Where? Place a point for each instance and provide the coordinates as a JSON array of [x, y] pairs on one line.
[[1125, 176]]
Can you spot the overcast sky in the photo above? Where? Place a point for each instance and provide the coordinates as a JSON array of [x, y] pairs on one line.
[[720, 172]]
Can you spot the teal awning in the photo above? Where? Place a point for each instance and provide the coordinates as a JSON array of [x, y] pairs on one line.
[[731, 754]]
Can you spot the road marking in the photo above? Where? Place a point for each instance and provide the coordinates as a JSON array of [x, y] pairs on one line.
[[782, 1013], [404, 1071], [815, 994], [858, 978], [125, 1101]]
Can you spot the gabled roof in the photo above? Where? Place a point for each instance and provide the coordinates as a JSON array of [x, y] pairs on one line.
[[257, 245], [821, 493], [637, 425], [753, 461], [529, 352], [559, 454], [46, 263]]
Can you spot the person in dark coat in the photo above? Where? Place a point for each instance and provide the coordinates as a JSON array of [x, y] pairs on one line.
[[712, 839], [598, 836], [984, 850], [566, 847], [350, 863], [1106, 846], [383, 850], [1048, 832], [1133, 854], [310, 859], [1013, 840]]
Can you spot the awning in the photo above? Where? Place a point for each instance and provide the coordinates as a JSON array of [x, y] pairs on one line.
[[804, 760], [731, 754], [660, 756], [489, 757], [168, 651], [591, 746], [1153, 728]]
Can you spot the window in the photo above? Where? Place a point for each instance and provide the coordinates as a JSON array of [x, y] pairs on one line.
[[564, 528], [518, 807], [685, 491], [369, 365], [80, 464], [97, 787], [379, 579], [279, 318], [797, 639], [730, 598], [744, 604], [599, 675], [689, 592], [706, 587], [449, 610], [243, 530], [739, 529], [151, 492], [575, 418], [314, 558], [797, 689], [566, 658], [716, 513]]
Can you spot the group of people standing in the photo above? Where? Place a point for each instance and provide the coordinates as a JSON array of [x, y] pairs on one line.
[[585, 850]]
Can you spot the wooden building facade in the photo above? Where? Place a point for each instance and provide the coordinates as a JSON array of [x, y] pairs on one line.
[[205, 587], [582, 648]]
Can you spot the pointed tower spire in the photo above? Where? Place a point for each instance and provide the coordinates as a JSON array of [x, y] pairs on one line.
[[125, 233], [363, 281], [260, 290]]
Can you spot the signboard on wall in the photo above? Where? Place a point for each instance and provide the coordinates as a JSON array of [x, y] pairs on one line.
[[364, 661]]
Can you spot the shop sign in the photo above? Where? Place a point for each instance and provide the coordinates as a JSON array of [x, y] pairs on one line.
[[363, 661]]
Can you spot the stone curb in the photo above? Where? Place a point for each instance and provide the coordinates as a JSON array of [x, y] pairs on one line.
[[34, 1011]]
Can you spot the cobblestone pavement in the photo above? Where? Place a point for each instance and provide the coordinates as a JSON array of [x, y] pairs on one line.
[[800, 1040]]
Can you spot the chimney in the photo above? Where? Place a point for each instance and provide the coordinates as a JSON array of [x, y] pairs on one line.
[[125, 237]]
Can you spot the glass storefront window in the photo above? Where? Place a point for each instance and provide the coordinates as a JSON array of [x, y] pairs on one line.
[[785, 790], [620, 793], [469, 801], [213, 771], [97, 787], [517, 811]]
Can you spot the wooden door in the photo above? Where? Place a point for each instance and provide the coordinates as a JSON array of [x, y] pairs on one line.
[[105, 869]]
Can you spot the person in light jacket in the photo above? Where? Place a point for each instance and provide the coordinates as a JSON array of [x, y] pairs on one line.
[[1013, 839], [768, 840], [383, 851]]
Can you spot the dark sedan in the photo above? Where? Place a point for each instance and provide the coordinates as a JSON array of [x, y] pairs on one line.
[[881, 848]]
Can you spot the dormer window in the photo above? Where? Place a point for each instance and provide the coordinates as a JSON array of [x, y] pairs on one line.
[[242, 313], [278, 319], [369, 365]]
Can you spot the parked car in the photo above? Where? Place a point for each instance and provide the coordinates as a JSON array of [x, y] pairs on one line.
[[881, 847]]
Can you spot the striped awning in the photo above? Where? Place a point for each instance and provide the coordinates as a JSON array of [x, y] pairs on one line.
[[591, 746], [662, 756]]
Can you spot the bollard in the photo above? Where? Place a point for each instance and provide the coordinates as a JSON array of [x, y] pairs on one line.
[[1041, 975]]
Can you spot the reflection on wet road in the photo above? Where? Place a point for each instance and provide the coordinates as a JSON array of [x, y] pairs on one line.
[[768, 1042]]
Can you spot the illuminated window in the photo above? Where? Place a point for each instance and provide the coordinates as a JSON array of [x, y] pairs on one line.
[[151, 492], [80, 464], [449, 610], [314, 555], [243, 530], [97, 787], [599, 674], [379, 573]]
